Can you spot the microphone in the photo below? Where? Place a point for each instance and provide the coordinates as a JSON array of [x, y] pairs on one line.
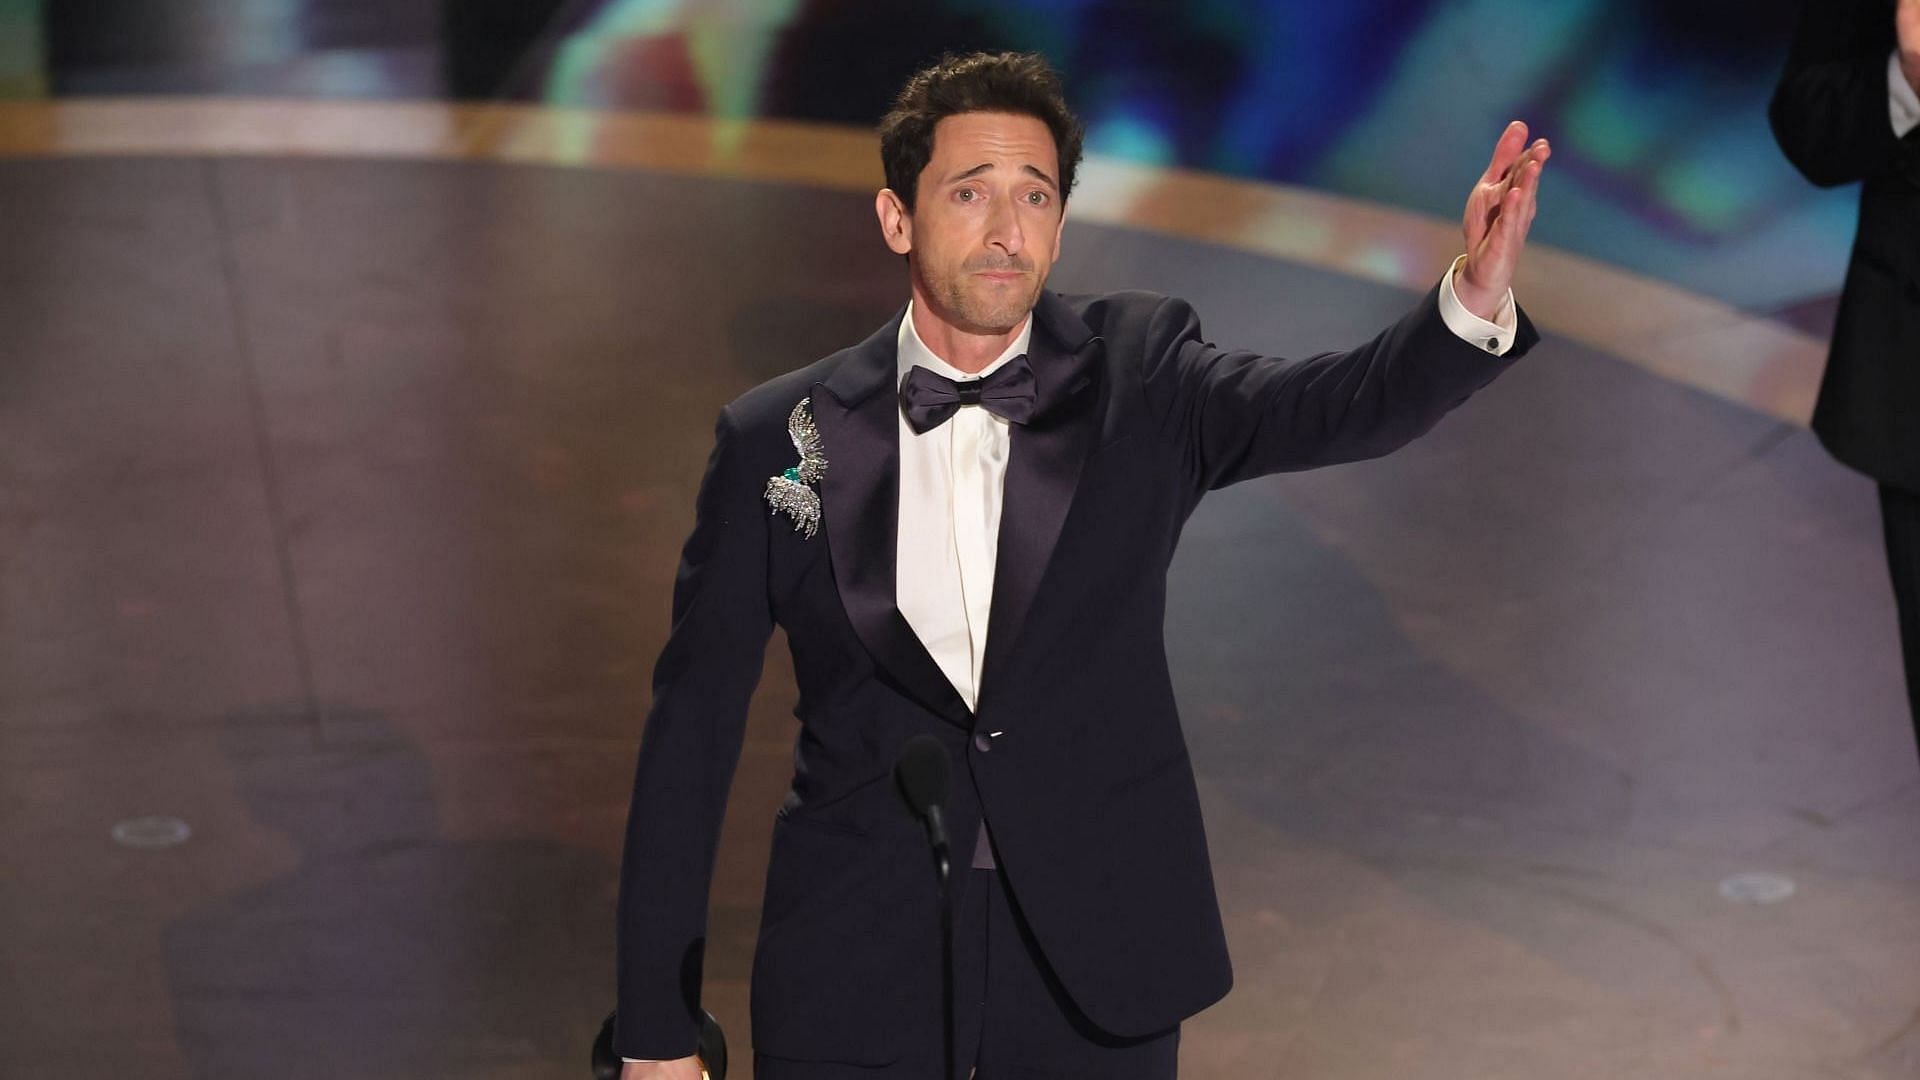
[[924, 774]]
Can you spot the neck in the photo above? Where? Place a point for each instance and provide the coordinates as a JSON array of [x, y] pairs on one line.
[[964, 349]]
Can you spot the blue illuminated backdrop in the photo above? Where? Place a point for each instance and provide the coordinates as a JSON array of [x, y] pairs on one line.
[[1663, 162]]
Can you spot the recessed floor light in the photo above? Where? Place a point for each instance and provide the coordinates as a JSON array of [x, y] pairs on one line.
[[1757, 888], [151, 832]]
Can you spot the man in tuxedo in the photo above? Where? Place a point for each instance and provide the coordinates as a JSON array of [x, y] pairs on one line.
[[1846, 111], [964, 525]]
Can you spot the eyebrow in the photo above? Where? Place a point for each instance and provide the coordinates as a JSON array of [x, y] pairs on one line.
[[987, 166]]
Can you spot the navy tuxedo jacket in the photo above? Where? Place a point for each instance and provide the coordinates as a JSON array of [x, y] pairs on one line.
[[1089, 792], [1831, 117]]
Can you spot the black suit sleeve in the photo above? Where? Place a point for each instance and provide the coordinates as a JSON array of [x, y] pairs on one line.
[[1830, 113], [1236, 415], [688, 752]]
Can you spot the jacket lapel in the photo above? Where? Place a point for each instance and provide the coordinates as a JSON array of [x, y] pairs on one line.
[[858, 420], [1043, 472]]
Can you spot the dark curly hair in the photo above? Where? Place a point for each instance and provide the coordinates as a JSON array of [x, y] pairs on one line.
[[1007, 82]]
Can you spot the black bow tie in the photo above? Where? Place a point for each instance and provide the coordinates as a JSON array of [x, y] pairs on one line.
[[929, 399]]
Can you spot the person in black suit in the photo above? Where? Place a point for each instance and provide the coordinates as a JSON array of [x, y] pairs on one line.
[[1846, 112], [964, 525]]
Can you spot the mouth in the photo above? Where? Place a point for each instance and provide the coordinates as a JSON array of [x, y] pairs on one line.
[[1002, 275]]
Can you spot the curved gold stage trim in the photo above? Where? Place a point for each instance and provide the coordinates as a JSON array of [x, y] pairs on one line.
[[1673, 333]]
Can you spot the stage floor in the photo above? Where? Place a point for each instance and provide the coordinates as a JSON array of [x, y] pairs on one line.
[[339, 508]]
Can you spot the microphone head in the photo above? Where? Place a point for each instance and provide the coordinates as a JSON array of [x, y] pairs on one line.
[[922, 773]]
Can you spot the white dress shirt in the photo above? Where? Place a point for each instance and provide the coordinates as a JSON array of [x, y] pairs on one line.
[[951, 478]]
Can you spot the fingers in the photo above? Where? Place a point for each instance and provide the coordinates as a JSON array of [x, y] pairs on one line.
[[1520, 201], [1501, 210], [1523, 186], [1531, 168], [1520, 181], [1501, 234], [1505, 151], [1526, 169]]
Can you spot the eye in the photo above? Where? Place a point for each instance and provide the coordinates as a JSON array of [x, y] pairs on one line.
[[1037, 198], [965, 194]]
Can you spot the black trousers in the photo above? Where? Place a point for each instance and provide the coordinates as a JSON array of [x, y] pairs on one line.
[[1900, 518], [1013, 1021]]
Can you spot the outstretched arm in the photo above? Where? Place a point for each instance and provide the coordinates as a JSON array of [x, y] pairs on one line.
[[1236, 415]]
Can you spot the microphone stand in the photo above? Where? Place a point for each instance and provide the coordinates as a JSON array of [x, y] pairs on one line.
[[943, 867], [922, 774]]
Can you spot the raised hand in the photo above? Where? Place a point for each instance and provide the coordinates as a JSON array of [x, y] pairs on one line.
[[1499, 213]]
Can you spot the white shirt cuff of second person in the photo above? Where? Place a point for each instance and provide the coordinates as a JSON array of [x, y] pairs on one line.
[[1902, 103]]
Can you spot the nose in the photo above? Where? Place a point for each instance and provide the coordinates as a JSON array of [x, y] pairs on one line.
[[1003, 229]]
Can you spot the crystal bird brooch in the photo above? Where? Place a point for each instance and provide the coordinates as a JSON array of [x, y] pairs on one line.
[[791, 493]]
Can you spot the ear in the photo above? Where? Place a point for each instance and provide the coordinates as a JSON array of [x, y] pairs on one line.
[[1059, 231], [896, 223]]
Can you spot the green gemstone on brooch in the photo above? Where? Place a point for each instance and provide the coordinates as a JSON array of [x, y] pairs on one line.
[[790, 492]]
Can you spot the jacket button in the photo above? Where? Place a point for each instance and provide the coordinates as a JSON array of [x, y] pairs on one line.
[[982, 742]]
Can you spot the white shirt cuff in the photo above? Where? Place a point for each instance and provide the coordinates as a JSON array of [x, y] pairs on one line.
[[1902, 102], [1495, 337]]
